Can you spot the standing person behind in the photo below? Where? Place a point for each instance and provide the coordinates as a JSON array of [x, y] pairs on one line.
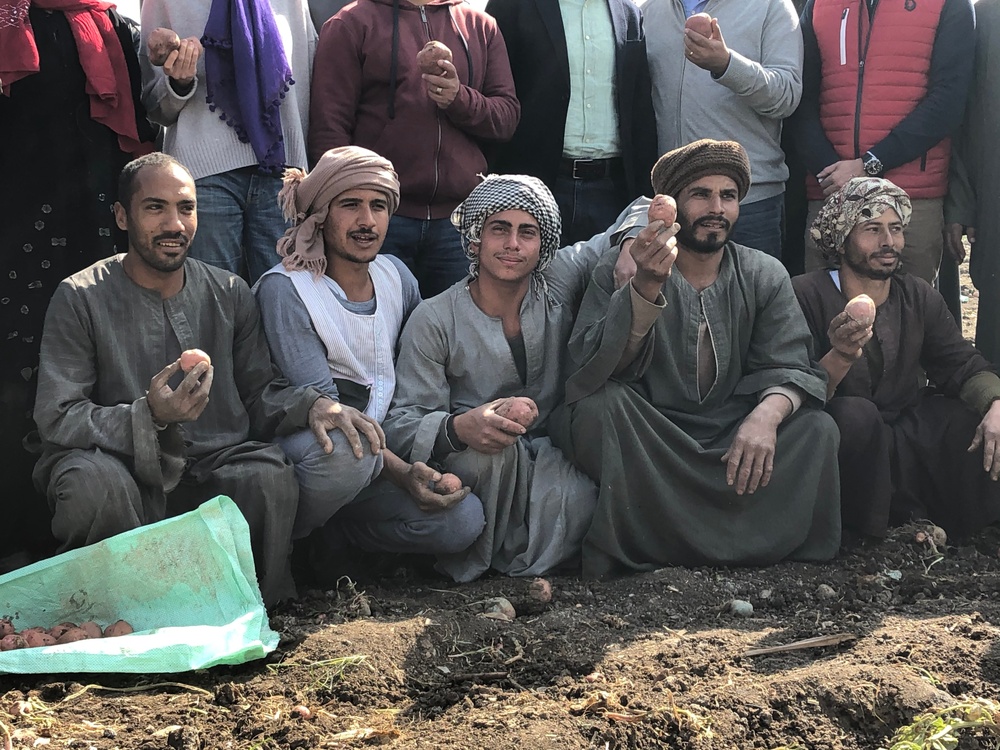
[[738, 87], [884, 86], [369, 91], [906, 452], [974, 189], [332, 312], [70, 119], [129, 439], [322, 10], [235, 113], [587, 128], [685, 390]]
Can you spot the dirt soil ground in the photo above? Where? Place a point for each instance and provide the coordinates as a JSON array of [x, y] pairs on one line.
[[659, 660]]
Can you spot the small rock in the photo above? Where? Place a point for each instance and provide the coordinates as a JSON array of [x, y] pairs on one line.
[[825, 592], [896, 575], [499, 609], [741, 608], [765, 594]]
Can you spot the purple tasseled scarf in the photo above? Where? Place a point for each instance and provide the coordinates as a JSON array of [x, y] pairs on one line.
[[247, 75]]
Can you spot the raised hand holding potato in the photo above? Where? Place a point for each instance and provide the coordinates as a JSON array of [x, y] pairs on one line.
[[161, 43], [655, 248], [188, 401], [483, 430]]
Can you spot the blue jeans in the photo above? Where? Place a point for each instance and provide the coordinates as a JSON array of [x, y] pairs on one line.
[[759, 225], [239, 221], [431, 249], [588, 207]]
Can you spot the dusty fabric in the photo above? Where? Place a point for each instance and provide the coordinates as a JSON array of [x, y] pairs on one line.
[[305, 200], [916, 462], [654, 445], [861, 199], [677, 169]]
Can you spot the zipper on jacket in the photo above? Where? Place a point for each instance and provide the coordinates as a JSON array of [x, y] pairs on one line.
[[843, 35], [862, 55], [437, 119]]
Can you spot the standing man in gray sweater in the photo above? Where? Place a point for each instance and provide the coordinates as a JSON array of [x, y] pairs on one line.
[[738, 87]]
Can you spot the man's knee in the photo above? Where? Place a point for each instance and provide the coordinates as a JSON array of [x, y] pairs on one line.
[[450, 531], [91, 489], [854, 415]]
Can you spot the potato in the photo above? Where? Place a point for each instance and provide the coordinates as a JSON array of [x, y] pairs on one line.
[[428, 57], [447, 484], [92, 629], [57, 631], [540, 590], [12, 642], [117, 628], [663, 208], [161, 43], [700, 22], [192, 357], [520, 409], [861, 309], [36, 637], [73, 635], [6, 626]]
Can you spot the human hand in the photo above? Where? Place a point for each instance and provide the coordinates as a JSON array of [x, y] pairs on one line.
[[848, 336], [182, 64], [952, 234], [443, 87], [834, 177], [707, 52], [654, 252], [185, 403], [420, 482], [750, 459], [326, 414], [483, 430], [625, 265], [988, 436]]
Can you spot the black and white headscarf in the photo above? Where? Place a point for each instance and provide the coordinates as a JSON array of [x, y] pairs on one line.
[[508, 192]]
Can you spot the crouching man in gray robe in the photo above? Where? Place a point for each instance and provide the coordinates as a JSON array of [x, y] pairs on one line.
[[467, 355], [333, 309], [129, 439], [681, 380]]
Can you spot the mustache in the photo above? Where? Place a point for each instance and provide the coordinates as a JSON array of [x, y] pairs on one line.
[[177, 236], [726, 224], [363, 234]]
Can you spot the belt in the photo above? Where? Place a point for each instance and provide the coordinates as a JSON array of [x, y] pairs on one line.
[[589, 169]]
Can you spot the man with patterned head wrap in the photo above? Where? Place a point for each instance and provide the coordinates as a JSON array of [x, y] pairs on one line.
[[481, 367], [906, 452], [691, 390], [333, 309]]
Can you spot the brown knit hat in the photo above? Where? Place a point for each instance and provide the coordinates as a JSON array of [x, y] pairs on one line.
[[677, 169]]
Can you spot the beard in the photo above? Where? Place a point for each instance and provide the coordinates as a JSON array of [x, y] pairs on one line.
[[862, 268], [713, 242], [149, 256]]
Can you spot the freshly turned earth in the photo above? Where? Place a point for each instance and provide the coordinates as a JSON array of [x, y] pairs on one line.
[[651, 661]]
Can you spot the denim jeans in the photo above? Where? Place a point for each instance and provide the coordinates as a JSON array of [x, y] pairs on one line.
[[588, 207], [431, 249], [239, 222], [759, 225]]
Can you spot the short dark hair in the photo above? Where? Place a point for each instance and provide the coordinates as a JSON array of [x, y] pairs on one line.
[[130, 173]]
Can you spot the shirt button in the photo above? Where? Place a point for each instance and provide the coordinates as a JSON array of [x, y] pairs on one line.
[[587, 37]]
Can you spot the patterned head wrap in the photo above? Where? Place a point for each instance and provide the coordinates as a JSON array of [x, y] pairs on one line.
[[305, 200], [497, 193], [861, 199]]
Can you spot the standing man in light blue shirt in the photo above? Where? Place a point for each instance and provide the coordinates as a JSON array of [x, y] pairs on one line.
[[587, 127]]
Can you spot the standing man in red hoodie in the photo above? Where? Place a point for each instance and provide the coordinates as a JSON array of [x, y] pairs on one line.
[[368, 90]]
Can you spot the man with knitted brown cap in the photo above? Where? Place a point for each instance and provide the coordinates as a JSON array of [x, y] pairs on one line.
[[692, 401], [333, 310]]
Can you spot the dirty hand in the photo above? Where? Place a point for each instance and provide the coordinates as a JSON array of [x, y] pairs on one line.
[[707, 52], [848, 336], [182, 64], [483, 430], [988, 435], [654, 252], [750, 459], [834, 177], [952, 234], [419, 481], [188, 401], [443, 88], [326, 414]]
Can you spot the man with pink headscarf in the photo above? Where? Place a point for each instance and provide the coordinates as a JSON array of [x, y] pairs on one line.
[[333, 310]]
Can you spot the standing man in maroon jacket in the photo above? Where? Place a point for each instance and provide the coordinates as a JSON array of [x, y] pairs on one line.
[[368, 90], [883, 87]]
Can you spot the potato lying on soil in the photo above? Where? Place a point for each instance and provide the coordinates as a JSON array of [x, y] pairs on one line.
[[192, 357], [700, 22], [161, 43], [540, 590], [520, 409], [117, 628], [12, 642], [428, 57], [861, 309], [663, 208], [447, 484]]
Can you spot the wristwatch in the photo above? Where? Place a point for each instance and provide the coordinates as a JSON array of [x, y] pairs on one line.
[[872, 164]]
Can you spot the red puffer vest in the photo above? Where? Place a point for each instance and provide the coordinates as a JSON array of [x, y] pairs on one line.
[[874, 74]]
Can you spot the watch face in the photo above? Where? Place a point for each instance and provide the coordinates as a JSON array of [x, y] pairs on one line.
[[873, 166]]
